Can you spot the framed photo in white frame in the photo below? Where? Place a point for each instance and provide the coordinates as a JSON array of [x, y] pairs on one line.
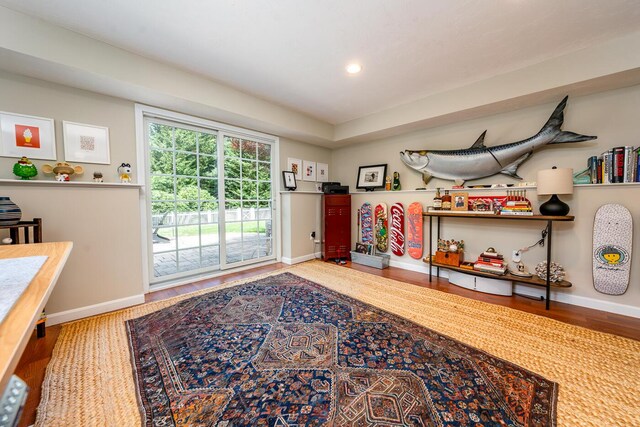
[[295, 166], [308, 170], [30, 136], [86, 143], [322, 172]]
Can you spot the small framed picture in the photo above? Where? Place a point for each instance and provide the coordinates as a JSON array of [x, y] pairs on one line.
[[308, 170], [30, 136], [86, 143], [460, 201], [322, 172], [289, 179], [295, 166], [371, 177], [362, 248]]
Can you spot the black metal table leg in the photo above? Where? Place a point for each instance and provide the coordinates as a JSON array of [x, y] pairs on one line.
[[549, 226], [430, 246], [438, 239]]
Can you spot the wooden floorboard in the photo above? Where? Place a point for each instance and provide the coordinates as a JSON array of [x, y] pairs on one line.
[[38, 352]]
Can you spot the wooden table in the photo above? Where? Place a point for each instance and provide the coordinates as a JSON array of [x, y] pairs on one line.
[[19, 322], [533, 280]]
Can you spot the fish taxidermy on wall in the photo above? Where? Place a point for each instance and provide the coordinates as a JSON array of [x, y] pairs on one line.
[[480, 161]]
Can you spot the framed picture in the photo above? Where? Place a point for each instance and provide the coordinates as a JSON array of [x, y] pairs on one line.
[[371, 177], [322, 172], [295, 166], [33, 137], [362, 248], [289, 179], [308, 170], [86, 143], [460, 201]]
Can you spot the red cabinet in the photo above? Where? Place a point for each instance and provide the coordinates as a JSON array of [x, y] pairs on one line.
[[336, 211]]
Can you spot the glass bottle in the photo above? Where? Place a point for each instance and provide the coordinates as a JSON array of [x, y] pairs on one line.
[[446, 201], [437, 201]]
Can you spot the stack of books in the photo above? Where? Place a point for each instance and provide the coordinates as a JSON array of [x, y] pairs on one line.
[[490, 262], [620, 164], [517, 207]]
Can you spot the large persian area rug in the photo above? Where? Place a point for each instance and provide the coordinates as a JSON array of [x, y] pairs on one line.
[[90, 380], [284, 351]]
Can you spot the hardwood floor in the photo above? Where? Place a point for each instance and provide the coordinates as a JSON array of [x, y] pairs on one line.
[[38, 351]]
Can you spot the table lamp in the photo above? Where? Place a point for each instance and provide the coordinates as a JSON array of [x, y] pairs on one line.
[[555, 181]]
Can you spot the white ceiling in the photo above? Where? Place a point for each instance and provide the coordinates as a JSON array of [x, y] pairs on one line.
[[293, 52]]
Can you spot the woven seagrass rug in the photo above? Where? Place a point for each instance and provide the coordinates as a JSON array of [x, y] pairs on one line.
[[90, 380], [284, 351]]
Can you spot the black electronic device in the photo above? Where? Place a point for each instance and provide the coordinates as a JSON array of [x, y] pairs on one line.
[[337, 189], [325, 185]]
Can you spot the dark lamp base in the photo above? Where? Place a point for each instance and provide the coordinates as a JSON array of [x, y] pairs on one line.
[[554, 207]]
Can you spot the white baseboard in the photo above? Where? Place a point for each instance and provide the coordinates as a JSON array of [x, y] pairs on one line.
[[303, 258], [559, 296], [92, 310]]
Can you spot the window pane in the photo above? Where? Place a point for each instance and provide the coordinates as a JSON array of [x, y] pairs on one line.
[[208, 189], [209, 234], [161, 162], [162, 188], [249, 190], [232, 167], [207, 143], [232, 189], [188, 236], [264, 171], [160, 136], [264, 152], [210, 256], [185, 140], [187, 188], [234, 251], [248, 170], [189, 260], [164, 264], [164, 239], [231, 147], [264, 190], [186, 164], [264, 247], [208, 166], [248, 149]]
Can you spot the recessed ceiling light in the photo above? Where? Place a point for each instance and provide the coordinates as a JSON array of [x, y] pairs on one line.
[[354, 68]]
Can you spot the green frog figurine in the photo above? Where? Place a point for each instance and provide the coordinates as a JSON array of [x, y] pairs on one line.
[[25, 169]]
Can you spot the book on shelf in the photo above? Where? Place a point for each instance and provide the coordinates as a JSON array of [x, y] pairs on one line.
[[617, 164], [516, 213], [492, 255], [489, 263], [487, 269]]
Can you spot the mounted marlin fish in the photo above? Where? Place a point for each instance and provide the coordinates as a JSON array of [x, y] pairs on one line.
[[480, 161]]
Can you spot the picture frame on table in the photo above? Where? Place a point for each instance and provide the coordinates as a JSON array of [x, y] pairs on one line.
[[289, 180], [322, 172], [29, 136], [362, 248], [460, 201], [371, 177], [308, 170], [295, 166], [85, 143]]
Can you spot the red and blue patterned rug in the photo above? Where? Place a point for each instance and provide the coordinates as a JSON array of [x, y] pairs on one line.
[[284, 351]]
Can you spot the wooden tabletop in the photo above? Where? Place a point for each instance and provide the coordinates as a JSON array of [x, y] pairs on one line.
[[17, 326], [469, 214]]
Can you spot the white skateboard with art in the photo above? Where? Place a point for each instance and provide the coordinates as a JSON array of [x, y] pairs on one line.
[[612, 240]]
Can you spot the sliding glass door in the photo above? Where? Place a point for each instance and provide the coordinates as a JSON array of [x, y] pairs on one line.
[[211, 199]]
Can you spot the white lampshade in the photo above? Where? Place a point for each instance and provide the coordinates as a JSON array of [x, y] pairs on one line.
[[555, 181]]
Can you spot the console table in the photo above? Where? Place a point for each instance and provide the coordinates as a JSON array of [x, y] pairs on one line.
[[528, 280]]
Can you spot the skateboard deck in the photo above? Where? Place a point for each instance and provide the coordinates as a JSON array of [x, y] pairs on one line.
[[414, 230], [382, 227], [612, 240], [396, 229], [366, 223]]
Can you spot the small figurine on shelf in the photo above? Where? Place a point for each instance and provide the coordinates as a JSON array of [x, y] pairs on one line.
[[63, 171], [124, 170], [387, 184], [97, 176], [25, 169], [396, 181]]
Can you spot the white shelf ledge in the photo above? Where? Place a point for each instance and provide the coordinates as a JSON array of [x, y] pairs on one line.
[[40, 182], [302, 192]]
